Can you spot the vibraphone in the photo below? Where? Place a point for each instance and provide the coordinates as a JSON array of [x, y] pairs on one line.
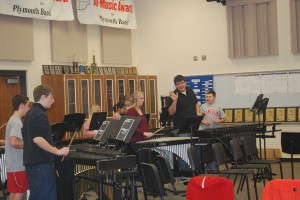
[[224, 133], [2, 164], [166, 146], [99, 167], [178, 145]]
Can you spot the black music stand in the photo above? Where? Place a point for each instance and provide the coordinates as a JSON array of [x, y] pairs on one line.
[[118, 130], [147, 117], [97, 119], [190, 124], [290, 144], [127, 128], [256, 104], [261, 109], [58, 130], [76, 119], [102, 135]]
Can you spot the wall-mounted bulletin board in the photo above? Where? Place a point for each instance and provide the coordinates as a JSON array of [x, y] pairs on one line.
[[236, 93], [200, 85]]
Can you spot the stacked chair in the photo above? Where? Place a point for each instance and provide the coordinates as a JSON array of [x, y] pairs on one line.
[[251, 152], [240, 161], [221, 159]]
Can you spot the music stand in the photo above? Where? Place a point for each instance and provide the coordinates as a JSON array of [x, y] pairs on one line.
[[76, 119], [58, 130], [147, 117], [102, 134], [128, 125], [97, 119], [190, 124], [118, 130], [261, 109], [256, 103], [289, 144]]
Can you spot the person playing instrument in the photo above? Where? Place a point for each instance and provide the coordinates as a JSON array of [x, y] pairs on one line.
[[17, 182], [86, 126], [95, 108], [122, 106], [39, 152], [142, 131], [213, 116]]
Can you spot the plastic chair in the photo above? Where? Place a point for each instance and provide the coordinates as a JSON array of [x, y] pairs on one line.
[[240, 161], [220, 158], [251, 152], [209, 187], [151, 180], [195, 162], [281, 189], [166, 172]]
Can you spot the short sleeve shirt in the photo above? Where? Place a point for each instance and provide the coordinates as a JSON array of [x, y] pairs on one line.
[[211, 112], [13, 156]]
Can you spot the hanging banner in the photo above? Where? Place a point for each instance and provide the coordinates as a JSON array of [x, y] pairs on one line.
[[113, 13], [60, 10]]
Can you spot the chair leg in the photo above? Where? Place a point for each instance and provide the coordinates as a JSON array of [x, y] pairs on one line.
[[280, 166], [241, 183], [145, 195], [255, 188], [174, 188], [247, 184]]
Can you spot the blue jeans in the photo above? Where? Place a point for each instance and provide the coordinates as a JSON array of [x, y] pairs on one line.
[[42, 181]]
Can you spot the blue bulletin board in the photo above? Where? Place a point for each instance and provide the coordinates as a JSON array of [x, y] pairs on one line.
[[200, 85]]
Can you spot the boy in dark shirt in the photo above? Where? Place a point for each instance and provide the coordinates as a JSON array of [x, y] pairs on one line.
[[39, 151]]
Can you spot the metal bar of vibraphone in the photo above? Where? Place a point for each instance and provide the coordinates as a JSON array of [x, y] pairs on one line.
[[3, 168]]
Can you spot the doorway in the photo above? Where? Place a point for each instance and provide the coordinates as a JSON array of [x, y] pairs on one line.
[[11, 84]]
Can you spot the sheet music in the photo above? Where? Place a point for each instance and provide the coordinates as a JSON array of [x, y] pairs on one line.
[[247, 84], [274, 83], [294, 82]]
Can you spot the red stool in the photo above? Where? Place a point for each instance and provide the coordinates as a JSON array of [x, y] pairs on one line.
[[210, 187], [280, 189]]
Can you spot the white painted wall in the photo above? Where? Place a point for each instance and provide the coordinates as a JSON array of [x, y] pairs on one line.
[[169, 34]]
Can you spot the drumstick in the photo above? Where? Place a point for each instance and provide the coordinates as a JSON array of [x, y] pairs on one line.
[[70, 143], [3, 125], [162, 128]]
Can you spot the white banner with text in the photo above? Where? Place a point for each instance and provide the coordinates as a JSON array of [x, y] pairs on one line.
[[60, 10], [112, 13]]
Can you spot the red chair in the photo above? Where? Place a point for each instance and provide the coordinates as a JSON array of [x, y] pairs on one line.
[[210, 187], [280, 189]]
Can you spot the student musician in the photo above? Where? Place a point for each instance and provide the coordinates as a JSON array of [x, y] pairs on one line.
[[213, 116], [185, 103], [142, 131], [122, 106], [39, 152], [17, 182], [90, 133]]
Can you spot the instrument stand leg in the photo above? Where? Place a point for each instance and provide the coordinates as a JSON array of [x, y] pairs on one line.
[[133, 188], [101, 194], [292, 161], [117, 187]]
